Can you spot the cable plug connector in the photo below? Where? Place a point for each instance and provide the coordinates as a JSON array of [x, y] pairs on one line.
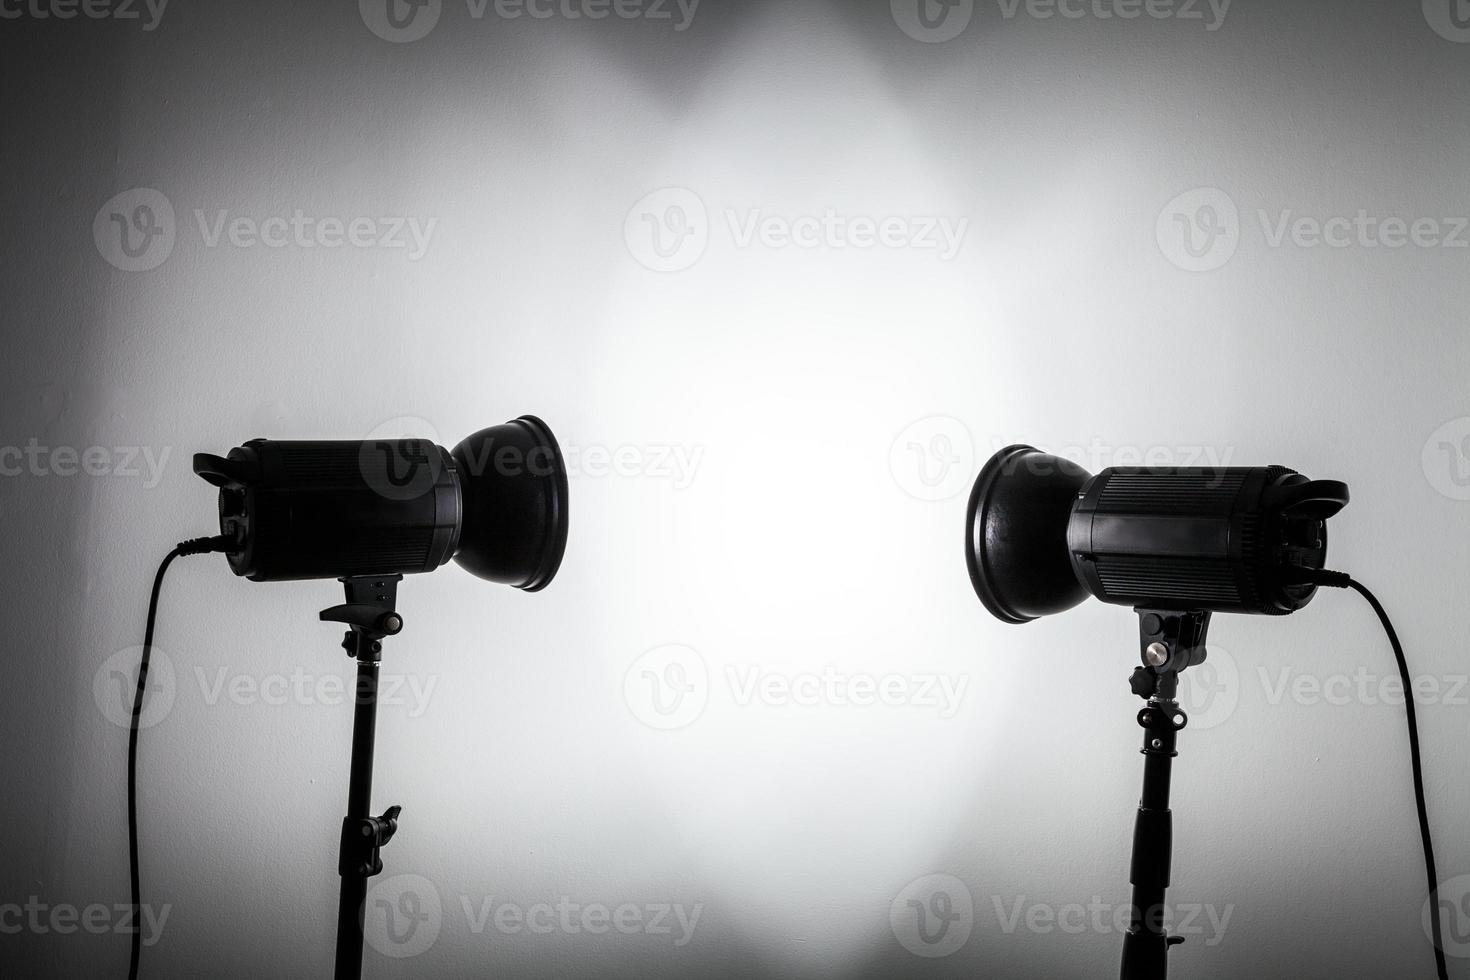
[[204, 546], [1329, 578], [1302, 575]]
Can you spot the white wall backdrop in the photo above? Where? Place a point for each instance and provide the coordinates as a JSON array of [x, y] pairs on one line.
[[780, 276]]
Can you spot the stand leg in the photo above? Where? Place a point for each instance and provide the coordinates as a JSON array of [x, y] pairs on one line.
[[1169, 641], [359, 800], [1146, 947], [370, 614]]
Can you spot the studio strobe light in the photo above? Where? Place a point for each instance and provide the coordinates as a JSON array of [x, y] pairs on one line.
[[1177, 544], [1045, 534], [304, 510], [368, 513]]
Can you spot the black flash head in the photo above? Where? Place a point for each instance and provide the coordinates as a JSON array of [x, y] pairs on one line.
[[496, 504], [1042, 534]]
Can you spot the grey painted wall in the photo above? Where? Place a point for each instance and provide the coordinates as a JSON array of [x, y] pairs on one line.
[[781, 276]]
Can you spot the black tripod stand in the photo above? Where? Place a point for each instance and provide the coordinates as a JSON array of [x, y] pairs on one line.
[[370, 614], [1169, 642]]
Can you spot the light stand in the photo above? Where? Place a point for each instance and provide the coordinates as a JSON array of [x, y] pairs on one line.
[[1175, 543], [1169, 642], [370, 615], [368, 512]]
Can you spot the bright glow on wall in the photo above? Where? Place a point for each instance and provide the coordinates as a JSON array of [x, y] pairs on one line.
[[878, 259]]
